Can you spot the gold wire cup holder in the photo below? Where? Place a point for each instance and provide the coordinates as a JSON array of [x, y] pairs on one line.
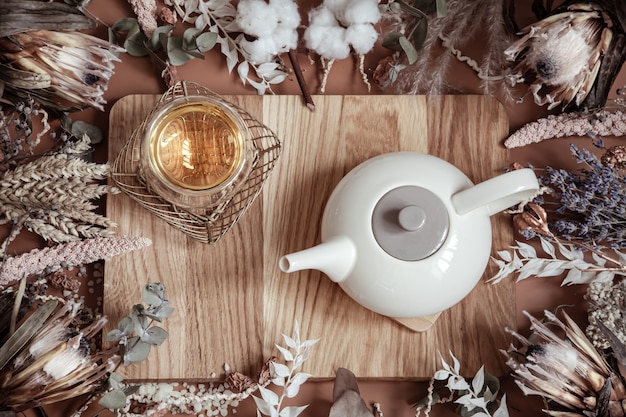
[[207, 212]]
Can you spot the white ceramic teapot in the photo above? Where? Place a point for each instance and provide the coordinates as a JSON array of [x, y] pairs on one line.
[[407, 234]]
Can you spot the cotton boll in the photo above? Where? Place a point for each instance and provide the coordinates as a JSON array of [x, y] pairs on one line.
[[336, 6], [329, 42], [285, 39], [362, 37], [360, 11], [256, 18], [287, 12], [322, 16]]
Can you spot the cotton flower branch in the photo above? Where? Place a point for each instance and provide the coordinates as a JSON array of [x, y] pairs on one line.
[[338, 27]]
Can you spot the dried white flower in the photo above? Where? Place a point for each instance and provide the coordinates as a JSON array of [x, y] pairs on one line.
[[560, 55], [76, 66]]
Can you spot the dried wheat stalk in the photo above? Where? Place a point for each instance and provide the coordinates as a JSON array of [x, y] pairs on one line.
[[55, 258], [52, 195]]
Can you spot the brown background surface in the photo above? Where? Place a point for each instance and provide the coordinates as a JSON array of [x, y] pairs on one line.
[[137, 76]]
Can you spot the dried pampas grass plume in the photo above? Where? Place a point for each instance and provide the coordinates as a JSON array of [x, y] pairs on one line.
[[446, 35]]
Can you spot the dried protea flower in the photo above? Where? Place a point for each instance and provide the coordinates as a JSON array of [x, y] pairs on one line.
[[72, 66], [54, 363], [560, 56], [566, 370]]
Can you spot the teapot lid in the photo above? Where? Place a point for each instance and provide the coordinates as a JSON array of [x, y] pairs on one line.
[[410, 223]]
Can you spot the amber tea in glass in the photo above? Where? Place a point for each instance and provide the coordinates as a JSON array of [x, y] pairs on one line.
[[195, 150]]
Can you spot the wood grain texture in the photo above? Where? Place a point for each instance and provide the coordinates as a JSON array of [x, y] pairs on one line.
[[232, 301]]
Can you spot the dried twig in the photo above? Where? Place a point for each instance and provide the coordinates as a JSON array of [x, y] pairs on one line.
[[306, 94]]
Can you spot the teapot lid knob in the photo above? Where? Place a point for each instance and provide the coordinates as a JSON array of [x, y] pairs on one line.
[[410, 223]]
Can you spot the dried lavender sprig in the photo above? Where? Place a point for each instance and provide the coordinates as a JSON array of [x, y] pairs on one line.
[[77, 253], [590, 203]]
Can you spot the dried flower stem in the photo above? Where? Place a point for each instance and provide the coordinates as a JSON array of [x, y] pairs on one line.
[[77, 253], [327, 69], [603, 123]]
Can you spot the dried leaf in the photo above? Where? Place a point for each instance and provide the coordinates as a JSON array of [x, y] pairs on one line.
[[409, 49], [268, 396], [292, 411], [113, 400], [136, 351], [25, 332]]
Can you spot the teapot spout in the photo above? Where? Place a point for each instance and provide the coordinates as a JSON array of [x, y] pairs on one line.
[[335, 258]]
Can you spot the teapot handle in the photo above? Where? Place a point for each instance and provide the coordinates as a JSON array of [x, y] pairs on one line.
[[498, 193]]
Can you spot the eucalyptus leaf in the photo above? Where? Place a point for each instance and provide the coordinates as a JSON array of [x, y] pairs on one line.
[[135, 43], [206, 41], [136, 351], [409, 49], [189, 38], [154, 335], [153, 293], [124, 328], [391, 41], [426, 6], [155, 39], [159, 313], [419, 34], [175, 53], [80, 128], [25, 332], [442, 8], [113, 400]]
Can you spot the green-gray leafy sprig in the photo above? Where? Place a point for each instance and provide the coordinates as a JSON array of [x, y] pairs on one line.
[[136, 334], [177, 49]]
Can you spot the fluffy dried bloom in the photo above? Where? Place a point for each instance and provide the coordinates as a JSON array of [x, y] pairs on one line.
[[565, 369], [72, 66], [560, 55], [55, 364]]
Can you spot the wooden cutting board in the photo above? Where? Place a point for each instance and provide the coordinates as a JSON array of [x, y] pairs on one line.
[[232, 301]]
